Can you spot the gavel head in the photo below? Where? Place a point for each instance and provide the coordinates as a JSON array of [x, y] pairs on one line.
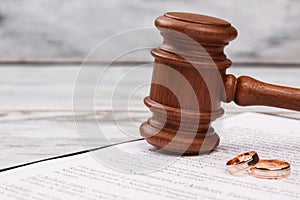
[[187, 82]]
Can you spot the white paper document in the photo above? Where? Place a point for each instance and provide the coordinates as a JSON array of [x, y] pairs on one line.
[[137, 170]]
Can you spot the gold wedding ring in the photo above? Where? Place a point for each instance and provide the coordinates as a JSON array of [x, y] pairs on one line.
[[270, 169], [242, 162]]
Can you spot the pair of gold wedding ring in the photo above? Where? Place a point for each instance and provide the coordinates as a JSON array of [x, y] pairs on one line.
[[268, 169]]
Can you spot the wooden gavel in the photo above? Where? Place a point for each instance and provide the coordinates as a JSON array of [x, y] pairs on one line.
[[189, 81]]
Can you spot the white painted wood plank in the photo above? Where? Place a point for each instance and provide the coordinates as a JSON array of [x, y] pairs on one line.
[[51, 88], [30, 136], [68, 30]]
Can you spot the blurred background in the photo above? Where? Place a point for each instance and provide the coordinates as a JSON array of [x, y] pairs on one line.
[[66, 30]]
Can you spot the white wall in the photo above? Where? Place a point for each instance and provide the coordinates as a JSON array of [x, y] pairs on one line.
[[48, 30]]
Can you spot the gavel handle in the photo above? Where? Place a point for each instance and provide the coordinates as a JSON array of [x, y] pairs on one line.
[[247, 91]]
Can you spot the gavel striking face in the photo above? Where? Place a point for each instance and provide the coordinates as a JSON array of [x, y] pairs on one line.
[[189, 81]]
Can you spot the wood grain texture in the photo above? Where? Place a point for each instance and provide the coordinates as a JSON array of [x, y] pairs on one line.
[[36, 116], [30, 30], [249, 92], [188, 84]]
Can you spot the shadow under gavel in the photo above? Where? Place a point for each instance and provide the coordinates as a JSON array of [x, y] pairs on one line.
[[189, 81]]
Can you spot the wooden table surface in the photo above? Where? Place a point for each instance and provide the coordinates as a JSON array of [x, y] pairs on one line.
[[36, 107]]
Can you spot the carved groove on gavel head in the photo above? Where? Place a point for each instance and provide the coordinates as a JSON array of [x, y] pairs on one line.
[[189, 82]]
